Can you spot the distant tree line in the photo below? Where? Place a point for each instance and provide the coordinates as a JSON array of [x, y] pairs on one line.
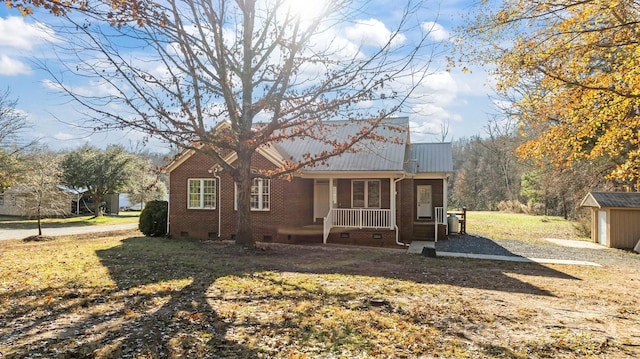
[[566, 73], [489, 175]]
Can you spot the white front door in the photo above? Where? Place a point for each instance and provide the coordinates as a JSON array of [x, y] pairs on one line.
[[320, 199], [602, 227], [423, 202]]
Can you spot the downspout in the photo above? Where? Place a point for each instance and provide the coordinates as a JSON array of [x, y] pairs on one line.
[[218, 185], [168, 207], [395, 199]]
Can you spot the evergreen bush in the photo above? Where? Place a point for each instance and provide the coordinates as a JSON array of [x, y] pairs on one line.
[[153, 218]]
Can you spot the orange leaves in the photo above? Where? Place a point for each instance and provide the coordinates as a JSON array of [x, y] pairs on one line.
[[55, 7], [575, 70]]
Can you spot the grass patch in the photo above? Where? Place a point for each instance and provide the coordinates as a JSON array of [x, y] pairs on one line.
[[138, 297], [7, 222], [501, 225]]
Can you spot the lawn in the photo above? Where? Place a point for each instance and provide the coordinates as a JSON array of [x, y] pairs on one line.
[[501, 225], [136, 297], [8, 222]]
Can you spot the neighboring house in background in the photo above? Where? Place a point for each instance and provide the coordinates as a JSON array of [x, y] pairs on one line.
[[82, 204], [66, 201], [17, 201], [390, 194], [615, 218]]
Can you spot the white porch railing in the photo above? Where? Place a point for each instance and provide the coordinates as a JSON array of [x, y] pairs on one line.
[[440, 219], [356, 218]]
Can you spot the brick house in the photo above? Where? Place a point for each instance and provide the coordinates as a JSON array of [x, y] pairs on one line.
[[387, 194]]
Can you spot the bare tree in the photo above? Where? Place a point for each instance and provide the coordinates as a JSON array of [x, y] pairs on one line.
[[177, 70], [147, 185], [12, 124], [444, 131], [43, 198], [501, 145]]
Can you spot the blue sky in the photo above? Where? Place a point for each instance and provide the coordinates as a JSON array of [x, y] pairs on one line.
[[461, 100]]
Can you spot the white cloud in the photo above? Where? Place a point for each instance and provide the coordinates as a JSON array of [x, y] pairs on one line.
[[440, 83], [430, 110], [436, 31], [92, 89], [438, 88], [63, 136], [420, 131], [10, 66], [16, 33], [372, 32]]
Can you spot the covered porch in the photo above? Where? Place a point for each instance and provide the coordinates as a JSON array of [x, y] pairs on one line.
[[376, 206]]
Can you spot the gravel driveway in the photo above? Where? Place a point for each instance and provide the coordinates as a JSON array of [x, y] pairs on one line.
[[509, 247]]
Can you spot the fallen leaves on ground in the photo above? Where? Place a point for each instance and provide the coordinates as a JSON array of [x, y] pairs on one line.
[[161, 298]]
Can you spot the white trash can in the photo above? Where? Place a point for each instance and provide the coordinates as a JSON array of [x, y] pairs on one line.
[[454, 223]]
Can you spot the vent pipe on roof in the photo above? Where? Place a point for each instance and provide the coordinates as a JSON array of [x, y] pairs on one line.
[[411, 166]]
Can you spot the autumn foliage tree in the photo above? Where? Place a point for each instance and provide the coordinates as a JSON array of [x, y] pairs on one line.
[[274, 70], [573, 70]]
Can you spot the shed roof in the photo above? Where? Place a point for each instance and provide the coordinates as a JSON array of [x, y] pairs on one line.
[[370, 155], [431, 157], [611, 199]]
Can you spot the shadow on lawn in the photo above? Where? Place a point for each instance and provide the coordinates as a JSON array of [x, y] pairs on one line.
[[462, 272], [157, 309], [161, 304]]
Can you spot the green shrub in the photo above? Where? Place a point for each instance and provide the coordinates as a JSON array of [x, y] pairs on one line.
[[153, 218]]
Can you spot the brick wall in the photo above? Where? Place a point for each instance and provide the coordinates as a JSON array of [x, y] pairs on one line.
[[406, 211], [383, 237], [291, 202], [197, 223], [291, 206]]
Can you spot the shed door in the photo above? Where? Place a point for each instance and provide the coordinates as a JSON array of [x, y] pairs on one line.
[[602, 227]]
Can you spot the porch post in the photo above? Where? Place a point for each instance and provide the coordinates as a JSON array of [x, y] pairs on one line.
[[392, 202], [328, 221], [445, 204], [330, 194], [445, 200]]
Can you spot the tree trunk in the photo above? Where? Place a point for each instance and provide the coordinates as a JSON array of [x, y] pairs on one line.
[[98, 209], [39, 222], [244, 230]]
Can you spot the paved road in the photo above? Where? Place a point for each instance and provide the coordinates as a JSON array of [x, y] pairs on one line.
[[62, 231]]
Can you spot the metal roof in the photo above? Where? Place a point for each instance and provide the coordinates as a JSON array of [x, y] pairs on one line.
[[612, 199], [369, 155], [431, 157]]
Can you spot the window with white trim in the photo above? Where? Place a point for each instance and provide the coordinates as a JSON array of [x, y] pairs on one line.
[[365, 193], [260, 197], [202, 193]]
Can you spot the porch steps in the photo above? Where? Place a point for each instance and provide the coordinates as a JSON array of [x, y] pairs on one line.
[[423, 232]]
